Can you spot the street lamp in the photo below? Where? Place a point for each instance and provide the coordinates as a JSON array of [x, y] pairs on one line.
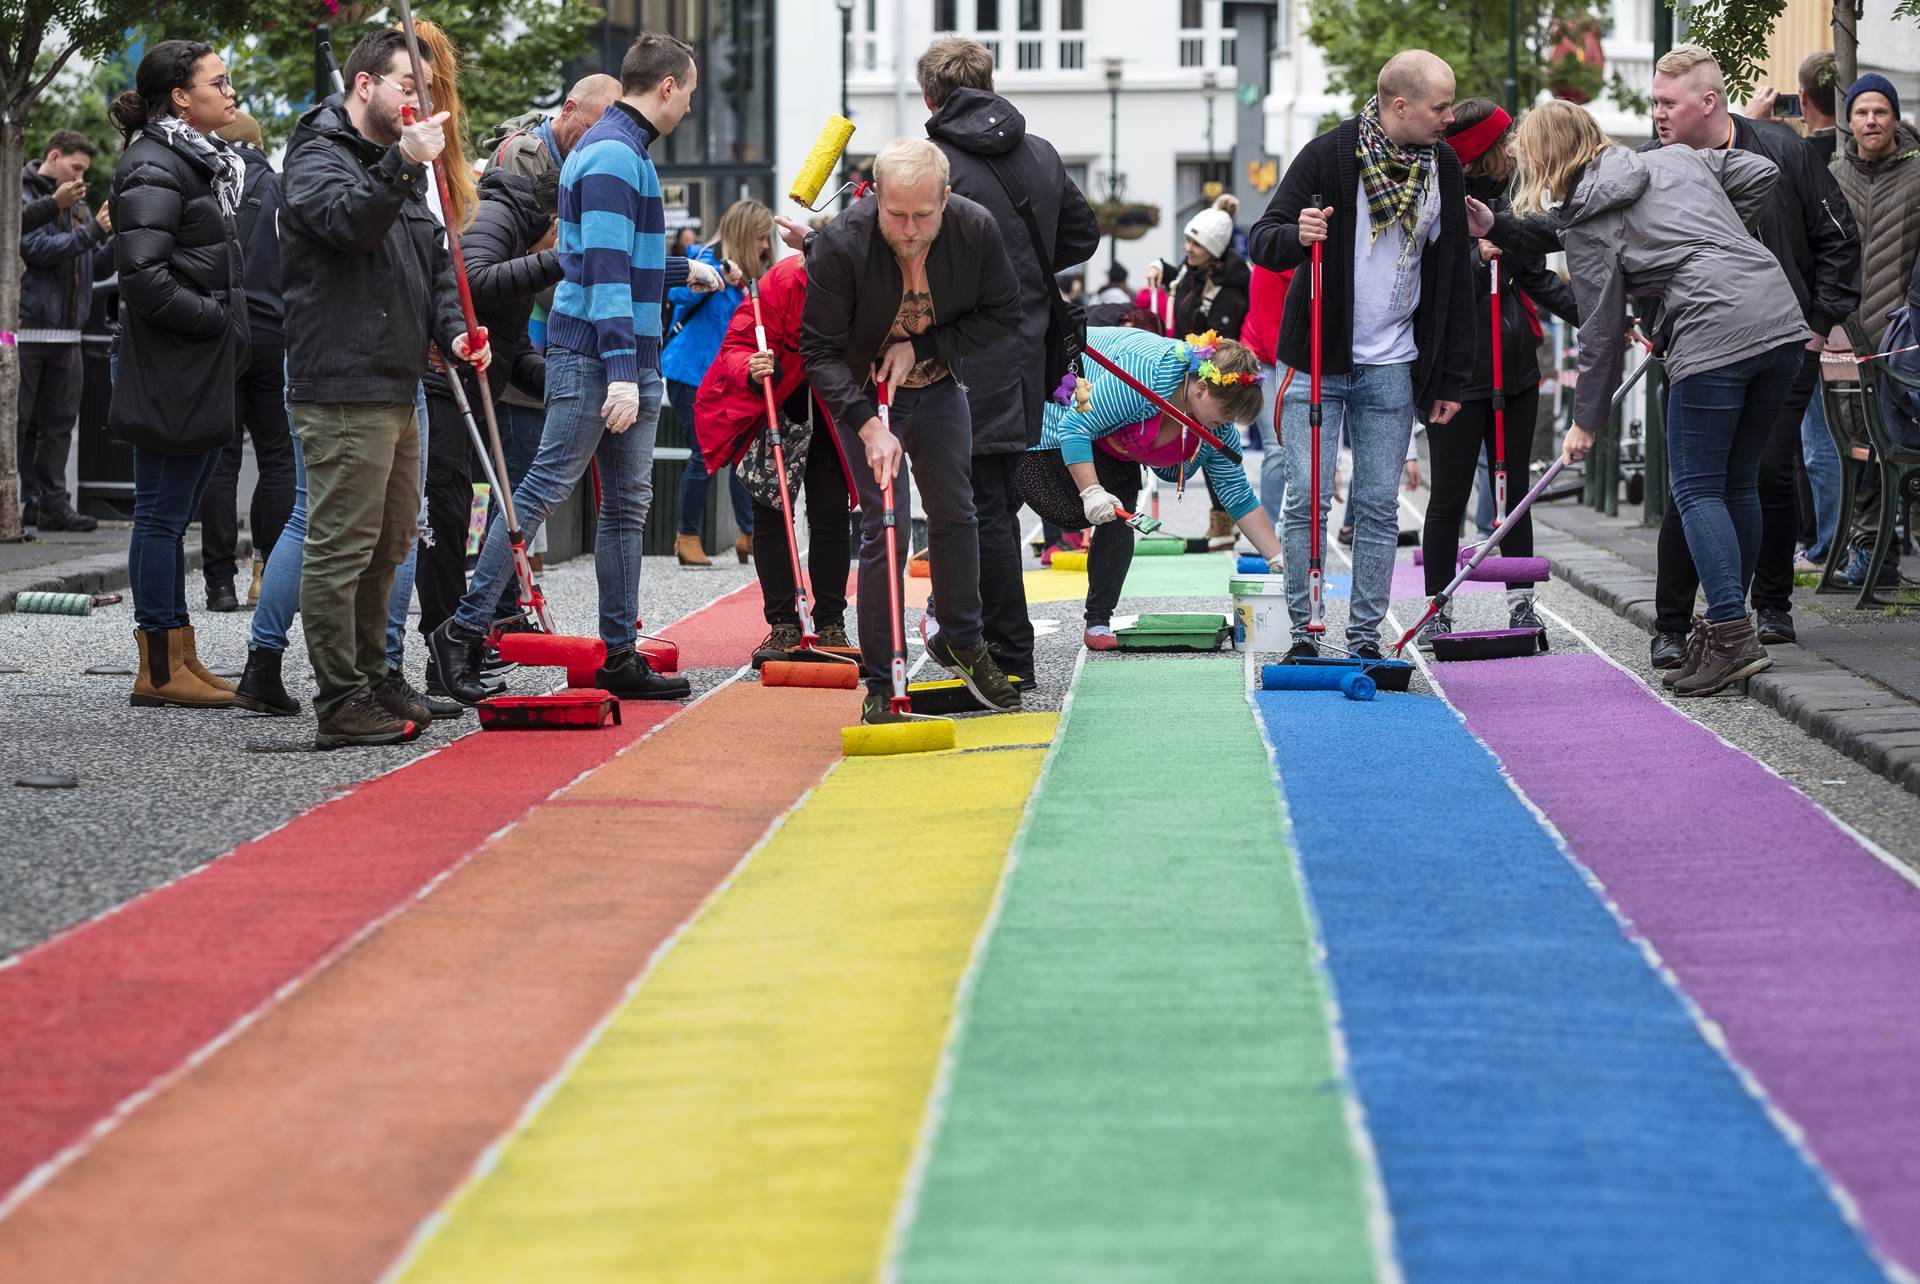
[[846, 61], [1116, 181], [1209, 85]]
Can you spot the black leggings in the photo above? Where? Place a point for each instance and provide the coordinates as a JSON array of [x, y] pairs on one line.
[[829, 543], [1455, 449], [1050, 490]]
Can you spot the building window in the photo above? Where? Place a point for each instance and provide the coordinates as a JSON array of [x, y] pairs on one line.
[[1071, 18], [1077, 174], [946, 14], [871, 58], [1191, 192], [1283, 28], [1030, 55], [986, 15], [1229, 51], [871, 24], [1190, 19], [992, 47], [1029, 15], [1073, 55], [1192, 51]]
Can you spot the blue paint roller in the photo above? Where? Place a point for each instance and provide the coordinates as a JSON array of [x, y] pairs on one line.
[[1350, 682], [1250, 564]]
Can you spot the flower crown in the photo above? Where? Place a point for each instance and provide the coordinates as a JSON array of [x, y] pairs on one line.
[[1198, 352]]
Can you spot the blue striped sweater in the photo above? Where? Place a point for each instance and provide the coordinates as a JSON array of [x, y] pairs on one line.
[[1152, 360], [613, 248]]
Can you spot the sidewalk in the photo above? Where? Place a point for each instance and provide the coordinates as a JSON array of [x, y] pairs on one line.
[[94, 562], [1853, 680]]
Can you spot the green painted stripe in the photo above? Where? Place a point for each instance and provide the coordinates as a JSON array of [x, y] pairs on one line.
[[1191, 575], [1142, 1085]]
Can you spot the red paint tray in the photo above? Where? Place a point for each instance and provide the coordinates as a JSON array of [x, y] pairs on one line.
[[569, 709]]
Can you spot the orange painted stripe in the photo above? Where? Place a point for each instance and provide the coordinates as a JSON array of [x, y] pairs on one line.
[[310, 1147]]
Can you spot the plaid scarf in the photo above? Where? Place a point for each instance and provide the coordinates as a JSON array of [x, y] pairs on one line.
[[1395, 177], [228, 169]]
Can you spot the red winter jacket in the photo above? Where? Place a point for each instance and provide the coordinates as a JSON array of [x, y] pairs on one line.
[[1269, 297], [730, 410]]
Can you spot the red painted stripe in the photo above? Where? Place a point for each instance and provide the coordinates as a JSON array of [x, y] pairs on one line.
[[94, 1016]]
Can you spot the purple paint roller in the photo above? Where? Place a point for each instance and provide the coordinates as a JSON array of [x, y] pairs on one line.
[[1507, 570]]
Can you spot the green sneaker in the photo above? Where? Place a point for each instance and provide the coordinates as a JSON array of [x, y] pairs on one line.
[[974, 665]]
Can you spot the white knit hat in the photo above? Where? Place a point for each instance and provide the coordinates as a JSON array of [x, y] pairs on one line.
[[1213, 229]]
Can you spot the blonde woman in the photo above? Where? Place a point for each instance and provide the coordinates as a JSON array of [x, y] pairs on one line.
[[741, 252], [1672, 223]]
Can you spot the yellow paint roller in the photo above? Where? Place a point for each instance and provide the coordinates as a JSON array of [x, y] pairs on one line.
[[820, 163]]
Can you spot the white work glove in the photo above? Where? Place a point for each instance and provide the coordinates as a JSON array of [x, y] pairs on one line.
[[1099, 505], [701, 278], [622, 406], [424, 140], [1274, 566]]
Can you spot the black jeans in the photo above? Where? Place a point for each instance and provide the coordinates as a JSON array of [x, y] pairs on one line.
[[1677, 580], [259, 398], [1455, 448], [440, 566], [693, 482], [829, 544], [1053, 493], [1003, 584], [936, 430], [49, 408]]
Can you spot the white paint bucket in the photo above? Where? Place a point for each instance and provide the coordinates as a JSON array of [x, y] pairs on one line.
[[1260, 620]]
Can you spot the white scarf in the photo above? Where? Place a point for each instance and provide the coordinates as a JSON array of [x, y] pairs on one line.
[[228, 168]]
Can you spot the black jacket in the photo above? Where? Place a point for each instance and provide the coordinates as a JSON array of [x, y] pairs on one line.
[[36, 210], [363, 265], [854, 285], [980, 132], [1329, 169], [506, 279], [1519, 272], [1227, 312], [183, 312], [63, 253], [260, 242]]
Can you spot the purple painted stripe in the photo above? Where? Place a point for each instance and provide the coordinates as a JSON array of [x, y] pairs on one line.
[[1789, 934]]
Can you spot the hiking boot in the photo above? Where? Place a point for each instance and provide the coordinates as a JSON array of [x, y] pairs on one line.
[[1696, 645], [1441, 622], [437, 708], [261, 688], [834, 637], [687, 549], [781, 639], [1100, 637], [974, 666], [65, 519], [190, 657], [363, 721], [457, 658], [398, 699], [1732, 652], [1774, 626], [221, 597], [164, 678], [1669, 650], [1303, 651], [628, 676]]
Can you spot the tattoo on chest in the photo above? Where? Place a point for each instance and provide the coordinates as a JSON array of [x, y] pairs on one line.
[[916, 317]]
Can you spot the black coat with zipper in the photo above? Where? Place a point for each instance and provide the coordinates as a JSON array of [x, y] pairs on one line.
[[1519, 271], [364, 268], [979, 132], [1328, 169], [259, 223], [506, 278], [1193, 312], [183, 309]]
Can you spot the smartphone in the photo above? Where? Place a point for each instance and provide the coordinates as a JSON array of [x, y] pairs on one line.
[[1786, 105]]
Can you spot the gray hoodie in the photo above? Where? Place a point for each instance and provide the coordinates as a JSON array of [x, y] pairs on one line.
[[1671, 223]]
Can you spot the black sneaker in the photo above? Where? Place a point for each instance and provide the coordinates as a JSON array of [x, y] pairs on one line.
[[1775, 626], [362, 721], [1346, 535], [974, 666], [629, 677], [1303, 651], [1669, 650], [438, 708], [877, 710], [260, 688], [834, 636], [66, 519], [1439, 622], [456, 657], [1368, 651], [781, 639], [221, 597], [1523, 616]]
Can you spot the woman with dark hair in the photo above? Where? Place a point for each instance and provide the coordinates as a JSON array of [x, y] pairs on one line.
[[183, 339], [1478, 136]]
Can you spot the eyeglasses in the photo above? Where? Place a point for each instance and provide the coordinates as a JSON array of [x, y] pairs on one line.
[[223, 83], [405, 91]]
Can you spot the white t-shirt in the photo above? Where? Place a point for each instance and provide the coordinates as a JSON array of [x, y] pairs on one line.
[[1386, 282]]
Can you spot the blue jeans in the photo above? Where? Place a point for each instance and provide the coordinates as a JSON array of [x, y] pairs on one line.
[[575, 436], [520, 431], [166, 494], [1273, 464], [693, 482], [1374, 404], [402, 596], [1717, 426], [1823, 473]]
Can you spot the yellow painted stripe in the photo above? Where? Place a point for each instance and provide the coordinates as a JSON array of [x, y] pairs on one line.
[[751, 1113], [1056, 586]]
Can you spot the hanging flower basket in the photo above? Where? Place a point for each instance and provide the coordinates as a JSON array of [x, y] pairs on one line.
[[1126, 220]]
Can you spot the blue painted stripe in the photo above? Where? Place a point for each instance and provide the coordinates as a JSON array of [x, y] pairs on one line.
[[1543, 1105]]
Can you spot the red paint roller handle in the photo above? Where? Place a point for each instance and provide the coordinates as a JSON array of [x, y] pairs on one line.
[[476, 333], [1181, 417]]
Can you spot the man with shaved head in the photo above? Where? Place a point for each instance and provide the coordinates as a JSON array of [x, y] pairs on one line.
[[1387, 199]]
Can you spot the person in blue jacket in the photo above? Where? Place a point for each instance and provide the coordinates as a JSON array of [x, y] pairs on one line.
[[741, 252]]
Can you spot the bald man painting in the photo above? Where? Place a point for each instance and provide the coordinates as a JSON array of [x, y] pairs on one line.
[[1387, 199]]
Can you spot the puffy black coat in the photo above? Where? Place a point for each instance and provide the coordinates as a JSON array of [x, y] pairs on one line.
[[977, 131], [183, 311], [1520, 271], [1226, 312], [506, 279], [364, 269]]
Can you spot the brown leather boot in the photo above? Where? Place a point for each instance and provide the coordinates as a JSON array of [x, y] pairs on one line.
[[1221, 531], [687, 549], [1733, 652], [191, 659], [1696, 647], [743, 549], [164, 678], [253, 588]]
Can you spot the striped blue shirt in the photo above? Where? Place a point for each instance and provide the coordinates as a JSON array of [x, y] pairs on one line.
[[613, 248], [1154, 362]]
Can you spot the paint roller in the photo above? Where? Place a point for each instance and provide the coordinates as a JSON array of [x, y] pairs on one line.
[[1351, 683], [819, 166], [39, 603], [1507, 570]]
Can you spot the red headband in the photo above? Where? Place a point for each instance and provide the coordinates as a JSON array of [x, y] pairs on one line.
[[1472, 142]]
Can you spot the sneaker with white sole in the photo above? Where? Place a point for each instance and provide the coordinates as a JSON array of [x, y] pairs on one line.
[[1100, 637]]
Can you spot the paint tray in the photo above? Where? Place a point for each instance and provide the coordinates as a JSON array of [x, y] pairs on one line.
[[569, 709], [947, 696], [1176, 632], [1491, 644], [1387, 675]]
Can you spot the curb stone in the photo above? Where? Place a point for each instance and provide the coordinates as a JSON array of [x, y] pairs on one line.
[[97, 573]]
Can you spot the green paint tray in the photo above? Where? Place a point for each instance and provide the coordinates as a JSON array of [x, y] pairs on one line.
[[1176, 632]]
